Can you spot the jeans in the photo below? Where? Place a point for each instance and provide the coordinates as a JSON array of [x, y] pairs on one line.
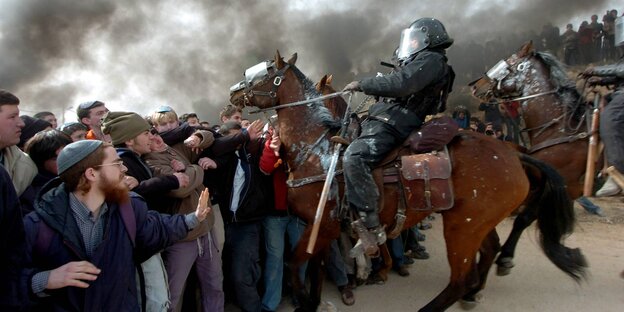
[[274, 229], [201, 252], [611, 133], [395, 246], [242, 254], [336, 268], [156, 290]]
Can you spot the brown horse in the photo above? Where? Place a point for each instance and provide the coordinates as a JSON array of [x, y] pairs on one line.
[[488, 178], [552, 113]]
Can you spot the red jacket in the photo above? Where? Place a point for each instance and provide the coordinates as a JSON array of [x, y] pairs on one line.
[[271, 164]]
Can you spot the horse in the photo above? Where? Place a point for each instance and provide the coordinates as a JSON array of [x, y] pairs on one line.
[[553, 115], [488, 178]]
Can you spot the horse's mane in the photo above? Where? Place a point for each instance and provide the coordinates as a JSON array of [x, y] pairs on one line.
[[566, 86], [318, 109]]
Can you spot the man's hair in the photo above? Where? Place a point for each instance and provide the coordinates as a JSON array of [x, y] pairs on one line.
[[162, 117], [8, 98], [74, 176], [190, 115], [229, 126], [229, 110], [41, 115], [44, 144]]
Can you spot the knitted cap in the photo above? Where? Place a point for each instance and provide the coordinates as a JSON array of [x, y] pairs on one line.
[[123, 126], [31, 127], [75, 152]]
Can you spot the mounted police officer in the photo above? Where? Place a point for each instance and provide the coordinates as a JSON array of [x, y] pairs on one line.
[[416, 89]]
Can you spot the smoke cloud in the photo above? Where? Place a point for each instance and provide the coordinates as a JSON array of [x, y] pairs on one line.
[[137, 55]]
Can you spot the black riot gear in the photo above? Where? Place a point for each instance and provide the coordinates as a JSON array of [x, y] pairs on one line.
[[423, 33]]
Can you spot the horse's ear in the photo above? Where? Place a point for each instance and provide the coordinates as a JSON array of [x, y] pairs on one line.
[[321, 83], [293, 59], [279, 61], [527, 49], [329, 79]]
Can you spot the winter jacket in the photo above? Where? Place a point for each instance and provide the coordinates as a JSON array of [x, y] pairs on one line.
[[115, 288], [256, 195], [12, 244], [20, 167]]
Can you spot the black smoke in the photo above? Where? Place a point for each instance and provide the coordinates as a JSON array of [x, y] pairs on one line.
[[137, 55]]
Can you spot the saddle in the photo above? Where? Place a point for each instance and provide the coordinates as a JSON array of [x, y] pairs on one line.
[[422, 168]]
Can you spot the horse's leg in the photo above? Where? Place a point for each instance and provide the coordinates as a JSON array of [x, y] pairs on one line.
[[462, 244], [489, 248], [308, 302], [387, 262], [522, 221]]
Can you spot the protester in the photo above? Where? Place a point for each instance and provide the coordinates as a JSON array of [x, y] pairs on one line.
[[20, 167], [90, 114], [88, 231], [49, 117]]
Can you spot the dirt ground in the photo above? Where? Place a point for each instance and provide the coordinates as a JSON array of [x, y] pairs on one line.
[[535, 284]]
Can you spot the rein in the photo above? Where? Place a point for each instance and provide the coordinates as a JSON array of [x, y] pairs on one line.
[[522, 98], [298, 103]]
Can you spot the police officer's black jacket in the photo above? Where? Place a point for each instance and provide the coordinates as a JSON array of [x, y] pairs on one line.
[[415, 88]]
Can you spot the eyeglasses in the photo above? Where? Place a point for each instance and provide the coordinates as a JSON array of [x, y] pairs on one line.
[[119, 164]]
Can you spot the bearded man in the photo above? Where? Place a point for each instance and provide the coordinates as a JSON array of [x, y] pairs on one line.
[[87, 232]]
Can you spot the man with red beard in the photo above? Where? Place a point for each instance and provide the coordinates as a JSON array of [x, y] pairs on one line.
[[87, 232]]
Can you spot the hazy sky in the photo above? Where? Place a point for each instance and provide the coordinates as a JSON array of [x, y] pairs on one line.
[[136, 54]]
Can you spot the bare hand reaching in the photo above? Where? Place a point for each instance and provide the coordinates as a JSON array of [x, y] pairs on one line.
[[73, 274], [183, 179], [203, 207], [255, 130], [207, 163]]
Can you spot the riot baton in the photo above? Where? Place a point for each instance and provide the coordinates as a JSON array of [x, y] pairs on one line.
[[328, 181], [592, 149]]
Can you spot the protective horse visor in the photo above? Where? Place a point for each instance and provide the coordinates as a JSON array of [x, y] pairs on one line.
[[619, 31], [257, 73], [412, 40], [499, 71]]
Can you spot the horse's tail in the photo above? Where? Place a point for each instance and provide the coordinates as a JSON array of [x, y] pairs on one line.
[[555, 217]]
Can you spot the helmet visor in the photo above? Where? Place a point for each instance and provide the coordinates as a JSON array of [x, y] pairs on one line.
[[412, 40], [257, 73]]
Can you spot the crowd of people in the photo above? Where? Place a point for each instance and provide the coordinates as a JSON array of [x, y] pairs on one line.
[[118, 211], [185, 204], [590, 42]]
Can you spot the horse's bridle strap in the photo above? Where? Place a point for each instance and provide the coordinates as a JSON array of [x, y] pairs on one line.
[[308, 180], [561, 140]]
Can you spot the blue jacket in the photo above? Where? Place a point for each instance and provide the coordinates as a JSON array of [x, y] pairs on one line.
[[115, 288]]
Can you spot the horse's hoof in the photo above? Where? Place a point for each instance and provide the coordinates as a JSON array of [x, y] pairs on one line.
[[504, 266], [466, 304]]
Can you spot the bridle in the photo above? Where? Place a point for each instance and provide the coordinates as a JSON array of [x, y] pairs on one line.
[[499, 72]]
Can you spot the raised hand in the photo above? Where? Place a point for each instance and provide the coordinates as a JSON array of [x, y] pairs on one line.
[[203, 206], [255, 130], [131, 182]]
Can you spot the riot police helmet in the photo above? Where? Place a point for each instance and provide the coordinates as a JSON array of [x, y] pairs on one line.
[[423, 33]]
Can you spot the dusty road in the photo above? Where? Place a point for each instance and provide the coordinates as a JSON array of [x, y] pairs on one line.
[[535, 284]]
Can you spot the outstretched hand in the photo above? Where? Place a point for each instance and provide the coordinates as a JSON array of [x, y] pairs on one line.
[[203, 206], [352, 86], [255, 130]]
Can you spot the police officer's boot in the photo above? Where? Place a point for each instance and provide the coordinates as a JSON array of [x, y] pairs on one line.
[[368, 239]]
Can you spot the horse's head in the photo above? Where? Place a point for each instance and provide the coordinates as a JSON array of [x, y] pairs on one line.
[[505, 79], [261, 83]]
